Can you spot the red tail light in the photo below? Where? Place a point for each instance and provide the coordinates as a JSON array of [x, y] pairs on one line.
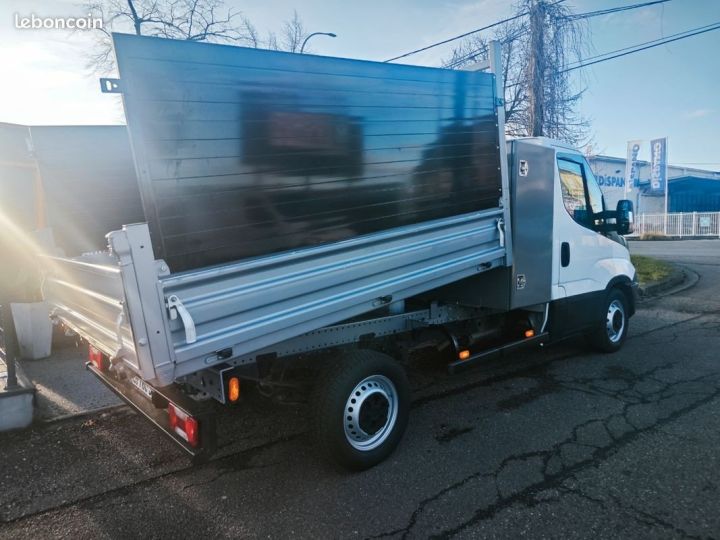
[[97, 358], [184, 425]]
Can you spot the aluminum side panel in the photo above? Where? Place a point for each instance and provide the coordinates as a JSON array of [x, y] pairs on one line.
[[245, 152], [257, 303], [87, 294]]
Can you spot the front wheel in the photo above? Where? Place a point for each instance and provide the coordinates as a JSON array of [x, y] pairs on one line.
[[611, 335], [362, 405]]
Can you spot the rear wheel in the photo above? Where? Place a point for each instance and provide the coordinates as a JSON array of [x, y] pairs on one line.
[[361, 408], [611, 335]]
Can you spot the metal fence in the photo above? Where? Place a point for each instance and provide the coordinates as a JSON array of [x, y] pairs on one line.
[[683, 224]]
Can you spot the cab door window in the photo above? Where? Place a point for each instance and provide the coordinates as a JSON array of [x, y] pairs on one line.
[[573, 191], [595, 195], [582, 196]]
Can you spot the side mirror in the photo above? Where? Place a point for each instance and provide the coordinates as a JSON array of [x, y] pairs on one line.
[[625, 217]]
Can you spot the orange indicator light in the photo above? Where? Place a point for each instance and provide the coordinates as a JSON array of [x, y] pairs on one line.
[[233, 389]]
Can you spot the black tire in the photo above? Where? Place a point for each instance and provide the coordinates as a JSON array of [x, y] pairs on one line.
[[610, 336], [383, 410]]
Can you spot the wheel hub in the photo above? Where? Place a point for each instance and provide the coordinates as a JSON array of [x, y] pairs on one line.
[[615, 321], [374, 413], [370, 412]]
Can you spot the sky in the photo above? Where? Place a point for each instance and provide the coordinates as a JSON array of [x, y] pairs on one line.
[[672, 90]]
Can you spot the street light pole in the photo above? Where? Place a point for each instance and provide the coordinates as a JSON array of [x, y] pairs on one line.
[[330, 34]]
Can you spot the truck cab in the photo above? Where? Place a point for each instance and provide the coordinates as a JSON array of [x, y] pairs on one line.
[[589, 257], [568, 259]]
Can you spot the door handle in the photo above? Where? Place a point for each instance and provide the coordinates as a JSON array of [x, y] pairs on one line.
[[564, 254]]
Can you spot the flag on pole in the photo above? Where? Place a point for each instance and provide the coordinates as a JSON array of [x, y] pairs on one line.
[[658, 165], [632, 178]]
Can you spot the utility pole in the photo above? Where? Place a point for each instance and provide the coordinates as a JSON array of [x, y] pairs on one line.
[[536, 67]]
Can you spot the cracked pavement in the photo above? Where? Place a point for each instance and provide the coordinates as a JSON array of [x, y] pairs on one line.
[[559, 442]]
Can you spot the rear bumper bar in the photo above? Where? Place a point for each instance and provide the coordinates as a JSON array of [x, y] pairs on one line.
[[155, 410]]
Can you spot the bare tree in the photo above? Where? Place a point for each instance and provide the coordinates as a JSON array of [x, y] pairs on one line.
[[193, 20], [272, 41], [516, 95], [293, 34], [540, 97]]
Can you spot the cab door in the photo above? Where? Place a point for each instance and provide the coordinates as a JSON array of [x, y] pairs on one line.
[[586, 257]]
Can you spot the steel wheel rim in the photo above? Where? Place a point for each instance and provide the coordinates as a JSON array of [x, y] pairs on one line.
[[615, 321], [374, 394]]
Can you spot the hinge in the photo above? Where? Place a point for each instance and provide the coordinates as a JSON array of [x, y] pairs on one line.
[[176, 308], [110, 86]]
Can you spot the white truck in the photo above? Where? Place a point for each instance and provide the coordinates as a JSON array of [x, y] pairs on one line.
[[325, 212]]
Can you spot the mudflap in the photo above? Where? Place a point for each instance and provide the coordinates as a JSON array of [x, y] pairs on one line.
[[155, 409]]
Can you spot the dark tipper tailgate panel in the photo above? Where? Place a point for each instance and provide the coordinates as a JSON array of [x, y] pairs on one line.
[[245, 152]]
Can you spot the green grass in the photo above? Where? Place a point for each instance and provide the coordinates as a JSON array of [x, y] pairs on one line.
[[650, 269]]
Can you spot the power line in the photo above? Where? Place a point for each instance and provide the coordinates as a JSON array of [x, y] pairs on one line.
[[466, 34], [456, 37], [714, 26], [638, 47], [477, 52], [569, 17], [472, 54], [608, 11], [469, 56], [658, 40]]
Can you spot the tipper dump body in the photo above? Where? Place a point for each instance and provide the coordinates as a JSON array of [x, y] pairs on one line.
[[284, 193]]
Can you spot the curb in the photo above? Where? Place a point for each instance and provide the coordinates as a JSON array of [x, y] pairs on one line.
[[673, 238], [676, 277]]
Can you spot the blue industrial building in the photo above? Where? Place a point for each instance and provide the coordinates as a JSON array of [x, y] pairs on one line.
[[694, 194]]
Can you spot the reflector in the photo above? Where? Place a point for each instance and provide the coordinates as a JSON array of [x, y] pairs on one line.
[[233, 389], [192, 428], [184, 425], [97, 358]]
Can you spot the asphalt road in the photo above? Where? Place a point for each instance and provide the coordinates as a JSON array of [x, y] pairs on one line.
[[550, 443]]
